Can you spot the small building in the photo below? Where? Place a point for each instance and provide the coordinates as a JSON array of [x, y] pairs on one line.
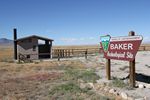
[[31, 48]]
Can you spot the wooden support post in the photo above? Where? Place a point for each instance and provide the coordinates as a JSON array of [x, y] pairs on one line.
[[15, 44], [144, 48], [58, 55], [63, 53], [19, 58], [69, 53], [51, 52], [108, 69], [66, 53], [86, 54], [132, 73], [132, 67], [72, 52]]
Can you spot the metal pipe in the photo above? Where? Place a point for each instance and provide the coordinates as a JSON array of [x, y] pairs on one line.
[[15, 43]]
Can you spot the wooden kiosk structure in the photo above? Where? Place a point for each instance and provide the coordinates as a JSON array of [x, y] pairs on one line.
[[30, 48]]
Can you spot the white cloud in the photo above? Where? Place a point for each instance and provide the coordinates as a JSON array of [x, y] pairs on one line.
[[87, 38], [68, 39], [91, 38], [146, 39], [2, 35], [51, 32], [77, 39], [82, 39]]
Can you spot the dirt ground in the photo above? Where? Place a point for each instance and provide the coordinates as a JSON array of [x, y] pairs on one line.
[[31, 80]]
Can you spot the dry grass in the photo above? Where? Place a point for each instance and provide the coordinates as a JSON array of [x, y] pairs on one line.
[[76, 47], [6, 53], [37, 80], [30, 80]]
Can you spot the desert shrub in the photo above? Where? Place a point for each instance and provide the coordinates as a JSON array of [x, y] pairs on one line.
[[65, 91], [37, 68], [18, 69], [70, 74], [68, 87], [118, 83], [124, 68], [85, 75], [4, 60], [9, 60], [25, 61], [36, 62], [20, 62], [148, 66], [71, 91], [129, 87], [99, 97], [89, 76]]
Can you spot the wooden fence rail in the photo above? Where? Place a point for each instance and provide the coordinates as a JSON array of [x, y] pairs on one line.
[[144, 48], [75, 52], [67, 53]]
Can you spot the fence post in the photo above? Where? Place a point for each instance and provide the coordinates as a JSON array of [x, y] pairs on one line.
[[58, 55], [19, 58], [132, 66], [72, 51], [69, 53], [63, 53], [66, 53], [144, 48], [86, 54]]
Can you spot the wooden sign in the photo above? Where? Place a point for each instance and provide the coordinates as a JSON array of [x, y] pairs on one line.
[[120, 48]]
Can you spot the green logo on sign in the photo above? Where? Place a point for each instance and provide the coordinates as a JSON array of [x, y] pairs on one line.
[[105, 42]]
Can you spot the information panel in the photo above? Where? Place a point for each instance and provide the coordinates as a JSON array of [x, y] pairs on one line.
[[120, 48]]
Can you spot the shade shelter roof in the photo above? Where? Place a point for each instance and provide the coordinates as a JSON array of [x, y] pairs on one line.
[[34, 36]]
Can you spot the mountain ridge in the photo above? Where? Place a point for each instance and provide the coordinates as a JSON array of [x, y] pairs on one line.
[[5, 41]]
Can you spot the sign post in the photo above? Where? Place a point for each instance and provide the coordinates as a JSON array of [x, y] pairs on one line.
[[121, 48], [132, 67], [105, 44], [108, 68]]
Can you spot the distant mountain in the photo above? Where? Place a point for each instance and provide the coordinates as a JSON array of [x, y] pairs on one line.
[[4, 41]]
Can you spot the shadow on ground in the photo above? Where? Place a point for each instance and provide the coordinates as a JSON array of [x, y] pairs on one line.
[[142, 78]]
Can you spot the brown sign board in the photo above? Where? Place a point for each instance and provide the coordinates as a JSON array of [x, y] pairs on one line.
[[121, 48]]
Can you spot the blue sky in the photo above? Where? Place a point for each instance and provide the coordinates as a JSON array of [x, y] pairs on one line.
[[74, 22]]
